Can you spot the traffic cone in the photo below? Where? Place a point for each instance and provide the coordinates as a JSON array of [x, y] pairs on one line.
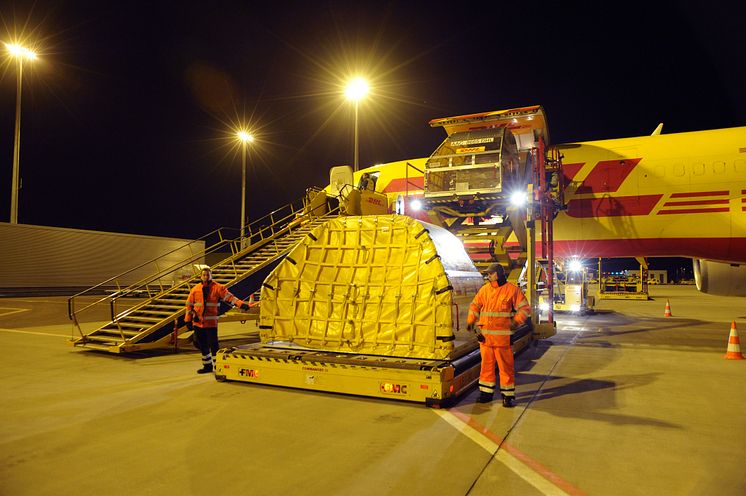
[[734, 344], [667, 313]]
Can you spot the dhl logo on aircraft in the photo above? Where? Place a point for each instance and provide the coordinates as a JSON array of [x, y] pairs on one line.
[[608, 176]]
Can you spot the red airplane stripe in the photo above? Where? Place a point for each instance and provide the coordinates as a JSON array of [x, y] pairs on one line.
[[693, 211], [400, 184], [699, 193], [696, 202], [608, 175], [570, 170], [612, 206], [722, 249]]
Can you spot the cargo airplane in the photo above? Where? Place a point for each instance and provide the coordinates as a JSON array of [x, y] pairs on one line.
[[663, 195]]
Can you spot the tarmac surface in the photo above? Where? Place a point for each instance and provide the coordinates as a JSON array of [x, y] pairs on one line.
[[621, 402]]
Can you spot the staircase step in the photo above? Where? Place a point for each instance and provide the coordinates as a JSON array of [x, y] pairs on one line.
[[103, 340], [127, 325], [114, 333], [166, 309], [94, 346], [171, 302], [153, 312]]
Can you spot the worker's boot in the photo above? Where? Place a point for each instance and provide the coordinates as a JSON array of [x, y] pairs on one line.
[[205, 370], [508, 401], [484, 397]]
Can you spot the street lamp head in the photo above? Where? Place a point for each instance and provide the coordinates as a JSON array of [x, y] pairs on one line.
[[357, 89], [20, 51], [245, 137]]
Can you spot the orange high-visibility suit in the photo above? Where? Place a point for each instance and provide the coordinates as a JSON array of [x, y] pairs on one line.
[[202, 308], [494, 308], [206, 311]]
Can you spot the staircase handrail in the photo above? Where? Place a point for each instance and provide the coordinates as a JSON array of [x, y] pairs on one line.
[[263, 232], [158, 274], [281, 226]]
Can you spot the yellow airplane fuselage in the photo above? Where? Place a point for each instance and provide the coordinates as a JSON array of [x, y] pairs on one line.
[[680, 194]]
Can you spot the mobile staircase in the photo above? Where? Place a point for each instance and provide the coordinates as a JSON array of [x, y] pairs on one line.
[[158, 320]]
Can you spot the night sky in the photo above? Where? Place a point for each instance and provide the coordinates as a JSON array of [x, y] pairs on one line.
[[128, 115]]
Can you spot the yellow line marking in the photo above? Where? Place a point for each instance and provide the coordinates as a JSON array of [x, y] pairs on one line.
[[32, 332], [501, 455], [12, 310]]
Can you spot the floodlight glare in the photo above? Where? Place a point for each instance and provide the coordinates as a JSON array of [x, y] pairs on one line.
[[357, 89], [245, 137], [416, 205], [518, 198], [20, 51], [575, 266]]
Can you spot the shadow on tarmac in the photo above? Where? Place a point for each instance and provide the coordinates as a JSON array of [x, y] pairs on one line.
[[575, 398]]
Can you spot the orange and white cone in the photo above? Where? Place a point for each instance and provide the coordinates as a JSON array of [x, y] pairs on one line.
[[734, 345], [667, 312]]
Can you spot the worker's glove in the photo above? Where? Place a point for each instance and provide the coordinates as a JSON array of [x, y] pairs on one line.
[[514, 325], [244, 306], [471, 327], [190, 326], [480, 337]]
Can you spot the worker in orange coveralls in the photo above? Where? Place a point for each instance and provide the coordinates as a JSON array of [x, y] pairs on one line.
[[498, 308], [201, 316]]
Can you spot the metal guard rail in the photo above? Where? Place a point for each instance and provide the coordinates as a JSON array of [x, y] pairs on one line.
[[261, 229]]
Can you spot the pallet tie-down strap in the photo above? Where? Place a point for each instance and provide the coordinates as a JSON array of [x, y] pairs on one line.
[[417, 236], [397, 299], [412, 324], [441, 291], [436, 256], [349, 298]]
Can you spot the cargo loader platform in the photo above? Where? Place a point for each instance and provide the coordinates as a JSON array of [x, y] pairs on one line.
[[372, 306], [436, 383]]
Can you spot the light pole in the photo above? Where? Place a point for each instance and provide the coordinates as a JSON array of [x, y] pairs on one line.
[[19, 53], [355, 91], [245, 139]]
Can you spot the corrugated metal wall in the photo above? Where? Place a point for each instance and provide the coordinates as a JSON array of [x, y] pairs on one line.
[[54, 257]]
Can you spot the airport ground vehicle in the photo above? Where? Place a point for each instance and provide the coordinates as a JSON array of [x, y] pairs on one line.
[[571, 289]]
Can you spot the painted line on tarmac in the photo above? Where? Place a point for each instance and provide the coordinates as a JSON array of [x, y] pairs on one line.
[[12, 310], [32, 332], [528, 469]]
